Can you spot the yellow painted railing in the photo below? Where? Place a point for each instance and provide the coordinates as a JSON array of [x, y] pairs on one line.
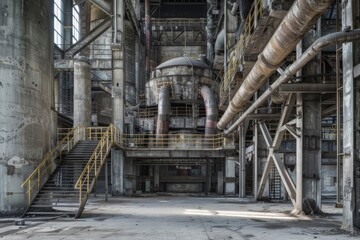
[[41, 174], [170, 141], [95, 133], [174, 112], [92, 169]]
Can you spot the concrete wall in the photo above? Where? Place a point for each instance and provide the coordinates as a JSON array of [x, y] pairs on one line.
[[25, 95]]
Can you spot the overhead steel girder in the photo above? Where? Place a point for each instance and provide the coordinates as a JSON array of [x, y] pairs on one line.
[[308, 88], [91, 37], [104, 6]]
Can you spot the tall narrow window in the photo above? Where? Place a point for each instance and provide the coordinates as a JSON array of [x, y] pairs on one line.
[[59, 23], [75, 24]]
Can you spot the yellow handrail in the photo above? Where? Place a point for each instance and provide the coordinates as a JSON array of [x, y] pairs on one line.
[[94, 165], [42, 172], [170, 141]]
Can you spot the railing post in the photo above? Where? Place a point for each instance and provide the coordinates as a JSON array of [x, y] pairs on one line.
[[95, 163], [101, 150], [38, 179], [80, 191], [88, 179], [29, 192]]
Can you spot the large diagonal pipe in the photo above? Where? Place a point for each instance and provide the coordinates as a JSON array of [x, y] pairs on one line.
[[310, 53], [296, 23]]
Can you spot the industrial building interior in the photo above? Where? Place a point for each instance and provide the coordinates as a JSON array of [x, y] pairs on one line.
[[179, 119]]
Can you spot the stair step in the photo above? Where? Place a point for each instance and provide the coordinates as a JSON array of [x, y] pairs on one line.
[[54, 205], [51, 213], [55, 200]]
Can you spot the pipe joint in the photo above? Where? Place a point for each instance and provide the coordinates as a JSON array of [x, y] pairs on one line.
[[266, 64]]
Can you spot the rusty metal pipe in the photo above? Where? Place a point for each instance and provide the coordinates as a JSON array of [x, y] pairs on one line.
[[211, 110], [162, 125], [310, 53], [296, 23]]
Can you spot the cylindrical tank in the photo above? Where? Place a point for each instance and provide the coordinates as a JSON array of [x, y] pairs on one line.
[[25, 95], [184, 76]]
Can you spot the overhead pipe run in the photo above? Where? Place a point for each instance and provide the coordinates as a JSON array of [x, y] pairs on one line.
[[211, 110], [296, 23], [309, 54], [148, 37]]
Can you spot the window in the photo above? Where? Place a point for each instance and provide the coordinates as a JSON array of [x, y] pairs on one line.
[[58, 23], [75, 24]]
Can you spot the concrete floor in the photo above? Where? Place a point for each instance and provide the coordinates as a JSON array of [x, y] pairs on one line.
[[183, 217]]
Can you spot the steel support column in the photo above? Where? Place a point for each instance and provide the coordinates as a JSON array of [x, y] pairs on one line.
[[299, 154], [351, 117], [118, 94], [242, 172]]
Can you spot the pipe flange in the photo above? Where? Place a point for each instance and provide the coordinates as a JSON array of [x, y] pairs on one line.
[[266, 63]]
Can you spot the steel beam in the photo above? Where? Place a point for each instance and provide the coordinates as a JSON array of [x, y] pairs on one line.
[[328, 111], [265, 176], [284, 117], [68, 65], [266, 134], [104, 6], [91, 37], [307, 88]]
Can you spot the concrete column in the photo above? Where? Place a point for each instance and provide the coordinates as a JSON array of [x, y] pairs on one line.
[[117, 172], [242, 168], [82, 92], [351, 118], [85, 15], [311, 128], [299, 154], [207, 177], [156, 178], [129, 177], [256, 161], [220, 183], [25, 96], [230, 173], [118, 73], [312, 147]]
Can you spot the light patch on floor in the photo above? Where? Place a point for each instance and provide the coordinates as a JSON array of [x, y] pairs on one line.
[[183, 218]]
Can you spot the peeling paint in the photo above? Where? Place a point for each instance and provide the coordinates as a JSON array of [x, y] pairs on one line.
[[17, 162]]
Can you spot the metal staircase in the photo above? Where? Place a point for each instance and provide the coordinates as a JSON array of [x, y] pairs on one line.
[[64, 179], [58, 196]]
